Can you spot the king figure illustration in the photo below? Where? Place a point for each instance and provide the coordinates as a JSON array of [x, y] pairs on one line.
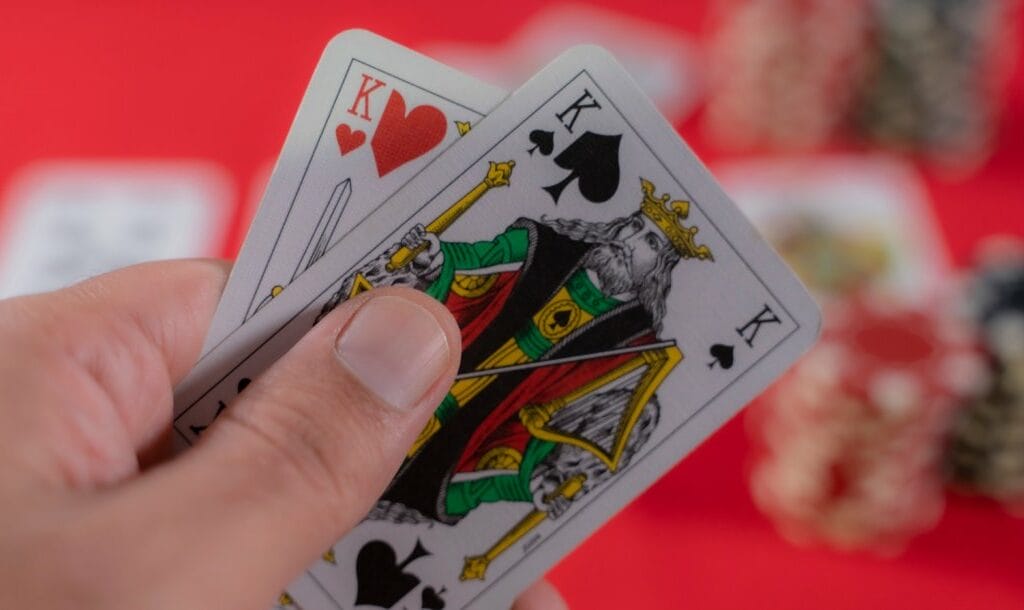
[[561, 359]]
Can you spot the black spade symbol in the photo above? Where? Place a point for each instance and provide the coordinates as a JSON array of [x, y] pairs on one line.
[[593, 159], [431, 599], [381, 580], [722, 354], [560, 319], [542, 140]]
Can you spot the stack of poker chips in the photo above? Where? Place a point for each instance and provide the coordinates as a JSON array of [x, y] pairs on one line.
[[986, 447], [851, 439], [784, 72], [920, 76], [929, 89]]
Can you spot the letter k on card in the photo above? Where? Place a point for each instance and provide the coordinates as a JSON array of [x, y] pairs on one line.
[[374, 115], [400, 136]]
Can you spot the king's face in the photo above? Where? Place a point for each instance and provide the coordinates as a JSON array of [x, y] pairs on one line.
[[644, 241]]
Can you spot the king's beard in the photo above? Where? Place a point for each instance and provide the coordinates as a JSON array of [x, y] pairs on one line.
[[612, 265], [611, 262]]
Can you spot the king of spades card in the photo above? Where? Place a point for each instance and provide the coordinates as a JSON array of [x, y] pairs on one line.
[[562, 356]]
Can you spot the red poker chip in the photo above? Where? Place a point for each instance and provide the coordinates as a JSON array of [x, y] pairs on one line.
[[891, 357]]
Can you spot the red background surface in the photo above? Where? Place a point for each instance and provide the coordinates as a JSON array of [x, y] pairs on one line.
[[221, 81]]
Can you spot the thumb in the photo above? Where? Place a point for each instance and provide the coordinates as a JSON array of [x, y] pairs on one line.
[[300, 458]]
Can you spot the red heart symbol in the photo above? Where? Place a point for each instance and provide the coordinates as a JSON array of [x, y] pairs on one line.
[[400, 138], [348, 139]]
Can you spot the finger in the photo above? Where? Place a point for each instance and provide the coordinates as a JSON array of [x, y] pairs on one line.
[[435, 244], [97, 361], [542, 595], [301, 457], [168, 304]]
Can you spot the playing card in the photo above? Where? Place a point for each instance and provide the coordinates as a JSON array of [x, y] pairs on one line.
[[374, 115], [68, 220], [845, 223], [615, 306], [257, 185]]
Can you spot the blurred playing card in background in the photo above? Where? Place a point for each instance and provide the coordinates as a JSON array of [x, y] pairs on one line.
[[844, 223], [64, 221], [660, 59]]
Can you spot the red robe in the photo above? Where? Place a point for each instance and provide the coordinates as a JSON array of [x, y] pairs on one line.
[[491, 418]]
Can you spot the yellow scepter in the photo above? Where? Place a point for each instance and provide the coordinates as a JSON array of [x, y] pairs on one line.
[[497, 175]]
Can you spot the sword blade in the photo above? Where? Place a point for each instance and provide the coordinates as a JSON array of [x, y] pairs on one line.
[[526, 366]]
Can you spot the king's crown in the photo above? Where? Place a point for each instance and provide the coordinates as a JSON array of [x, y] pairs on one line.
[[669, 217]]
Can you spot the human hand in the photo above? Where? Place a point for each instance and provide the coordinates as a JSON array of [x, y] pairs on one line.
[[547, 496], [87, 375], [429, 260]]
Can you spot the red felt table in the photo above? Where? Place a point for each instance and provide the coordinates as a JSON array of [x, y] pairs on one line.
[[221, 81]]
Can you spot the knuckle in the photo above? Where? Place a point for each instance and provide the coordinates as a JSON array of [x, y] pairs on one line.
[[68, 581], [313, 440], [287, 456]]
